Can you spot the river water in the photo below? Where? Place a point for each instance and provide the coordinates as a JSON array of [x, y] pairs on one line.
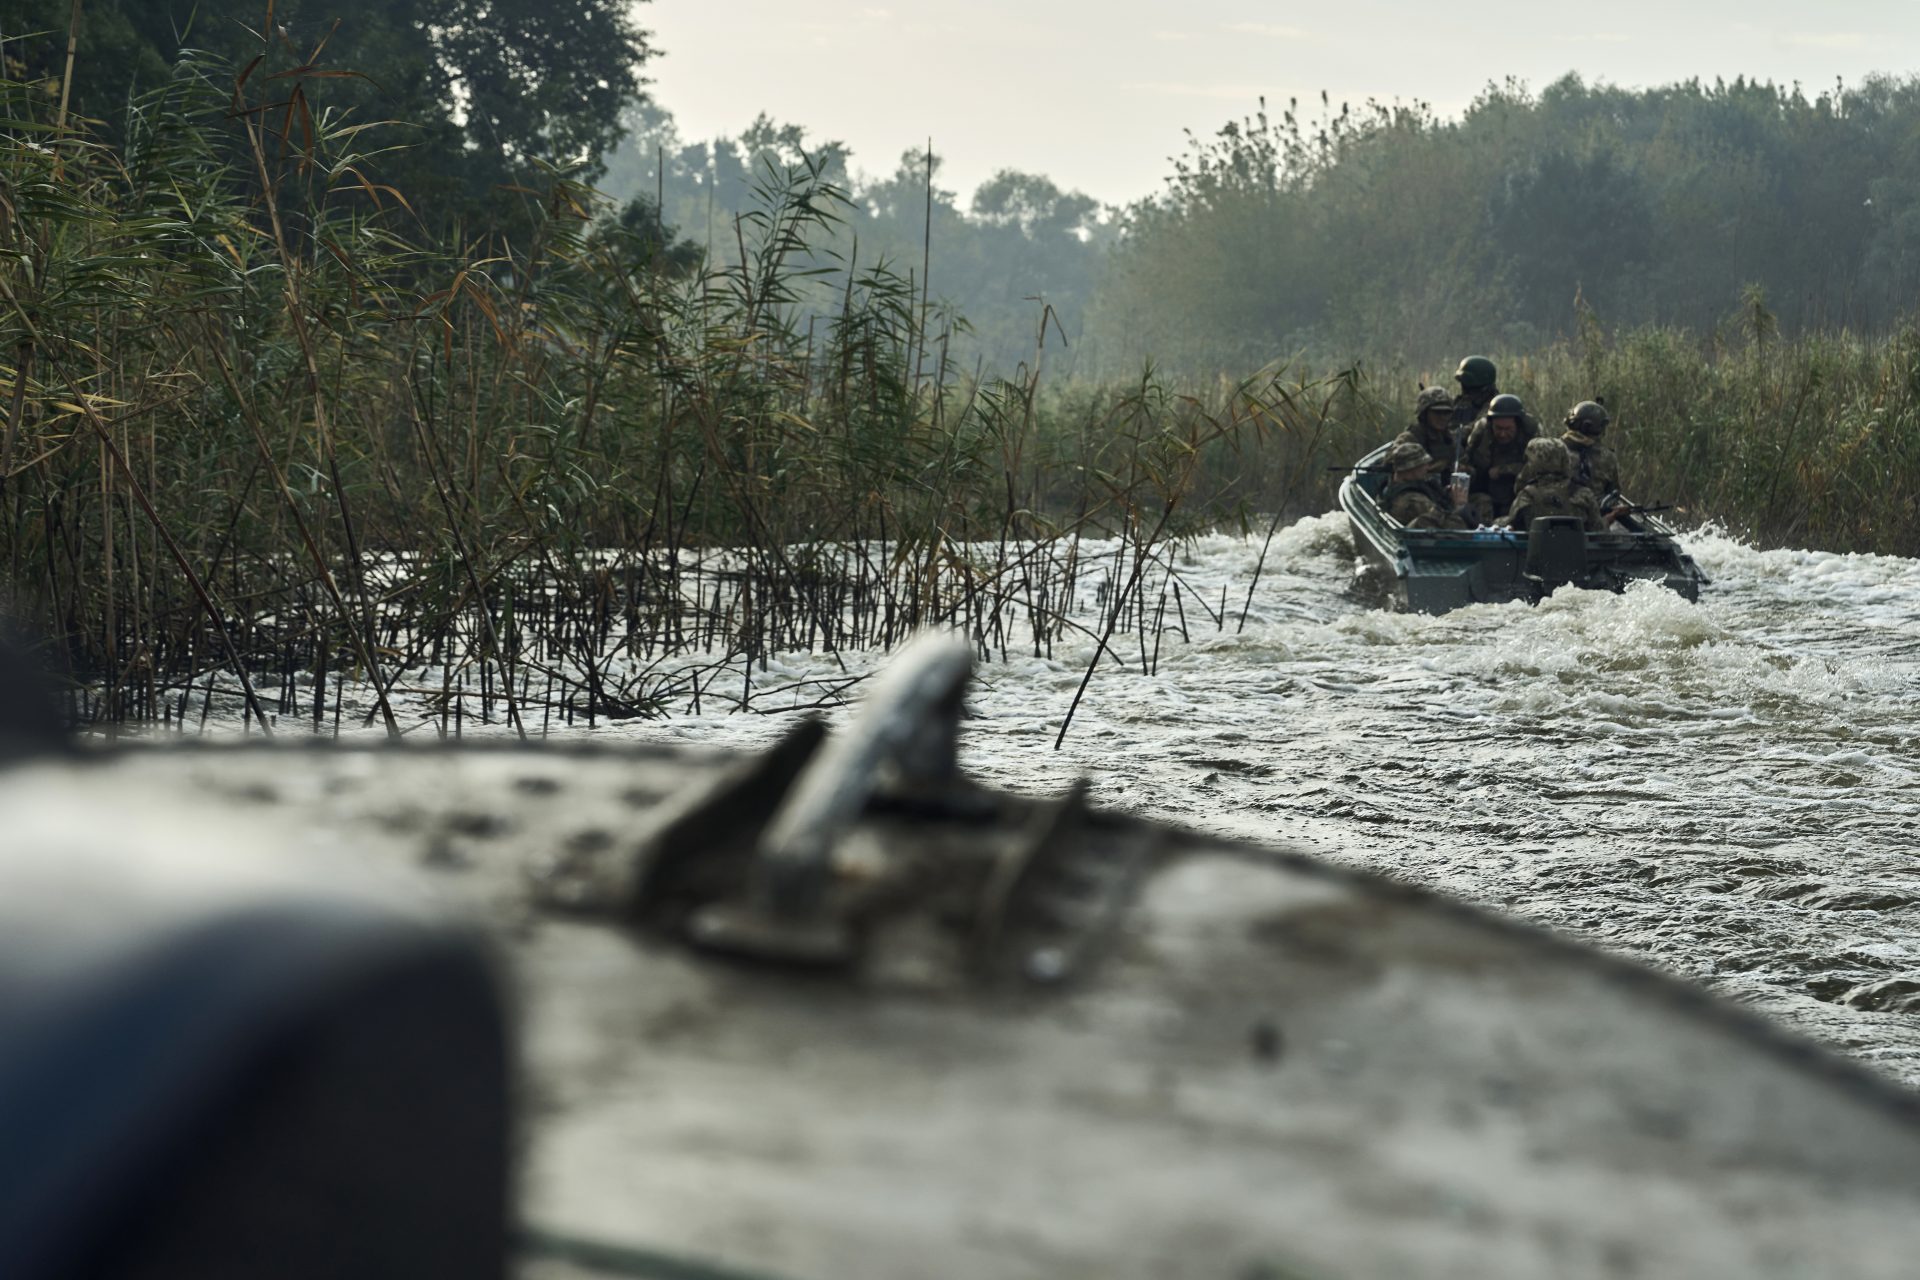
[[1727, 790]]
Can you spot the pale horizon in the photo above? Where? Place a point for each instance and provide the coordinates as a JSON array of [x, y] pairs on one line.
[[1096, 93]]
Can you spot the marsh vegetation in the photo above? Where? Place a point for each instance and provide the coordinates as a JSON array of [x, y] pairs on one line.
[[289, 402]]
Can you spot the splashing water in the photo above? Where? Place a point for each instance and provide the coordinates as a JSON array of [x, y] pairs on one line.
[[1725, 789]]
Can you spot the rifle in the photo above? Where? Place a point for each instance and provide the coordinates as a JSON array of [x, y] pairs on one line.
[[1618, 505], [1635, 509]]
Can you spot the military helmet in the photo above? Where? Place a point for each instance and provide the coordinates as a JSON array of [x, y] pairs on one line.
[[1506, 406], [1589, 417], [1476, 372], [1548, 457], [1430, 399], [1407, 455]]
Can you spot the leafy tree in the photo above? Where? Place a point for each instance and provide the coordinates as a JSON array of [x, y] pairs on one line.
[[1382, 231], [478, 91], [1573, 226], [1034, 204]]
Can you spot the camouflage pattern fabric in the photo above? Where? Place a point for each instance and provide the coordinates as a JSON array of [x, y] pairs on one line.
[[1594, 465], [1496, 467], [1470, 410], [1404, 456], [1547, 489], [1421, 504], [1468, 406], [1549, 497], [1438, 443], [1546, 459], [1529, 427]]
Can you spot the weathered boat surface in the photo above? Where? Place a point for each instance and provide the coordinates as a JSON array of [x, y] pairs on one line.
[[1435, 570], [831, 1012]]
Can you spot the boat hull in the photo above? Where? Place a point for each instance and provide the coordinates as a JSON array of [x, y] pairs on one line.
[[1439, 570]]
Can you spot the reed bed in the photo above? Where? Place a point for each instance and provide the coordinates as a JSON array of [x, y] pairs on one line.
[[1809, 440], [277, 443], [268, 438], [661, 637], [1804, 441]]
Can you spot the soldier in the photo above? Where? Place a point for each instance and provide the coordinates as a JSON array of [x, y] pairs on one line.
[[1479, 383], [1547, 489], [1594, 466], [1433, 426], [1496, 452], [1413, 496], [1478, 379]]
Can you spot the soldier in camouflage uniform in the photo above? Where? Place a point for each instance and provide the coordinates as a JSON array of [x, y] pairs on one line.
[[1496, 452], [1413, 496], [1479, 383], [1547, 489], [1433, 426], [1594, 466]]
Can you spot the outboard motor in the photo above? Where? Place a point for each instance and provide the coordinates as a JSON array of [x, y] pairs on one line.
[[212, 1067], [1556, 553]]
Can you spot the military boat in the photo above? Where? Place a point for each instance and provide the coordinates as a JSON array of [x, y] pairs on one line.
[[1436, 570], [832, 1011]]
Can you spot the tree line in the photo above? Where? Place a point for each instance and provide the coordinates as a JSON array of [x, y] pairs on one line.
[[1330, 232], [993, 262], [1391, 232], [1385, 232]]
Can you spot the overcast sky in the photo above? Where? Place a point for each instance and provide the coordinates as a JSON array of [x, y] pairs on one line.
[[1095, 93]]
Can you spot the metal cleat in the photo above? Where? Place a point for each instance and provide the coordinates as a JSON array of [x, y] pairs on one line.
[[906, 737]]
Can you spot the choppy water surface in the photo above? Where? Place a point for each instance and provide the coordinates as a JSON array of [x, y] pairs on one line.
[[1724, 789]]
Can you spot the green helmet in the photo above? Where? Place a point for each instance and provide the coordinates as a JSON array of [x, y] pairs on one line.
[[1407, 455], [1589, 418], [1505, 406], [1548, 457], [1476, 372], [1430, 399]]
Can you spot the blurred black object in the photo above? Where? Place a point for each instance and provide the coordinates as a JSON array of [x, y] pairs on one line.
[[209, 1070], [30, 721]]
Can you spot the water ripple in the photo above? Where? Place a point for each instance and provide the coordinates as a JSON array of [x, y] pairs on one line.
[[1726, 789]]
